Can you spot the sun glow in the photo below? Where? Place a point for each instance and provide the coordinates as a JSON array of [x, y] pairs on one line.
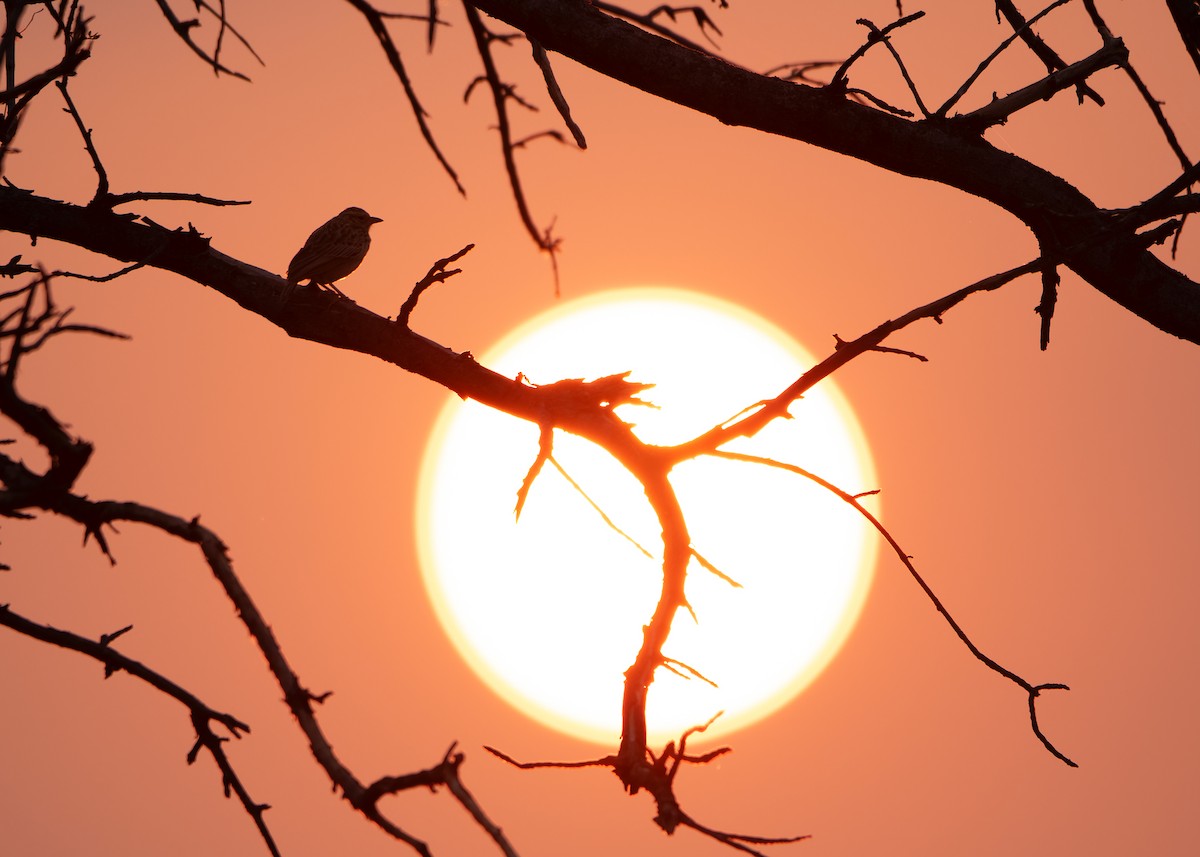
[[549, 610]]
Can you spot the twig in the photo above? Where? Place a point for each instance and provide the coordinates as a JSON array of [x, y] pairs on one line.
[[545, 448], [437, 273], [202, 715], [713, 570], [753, 422], [101, 194], [648, 22], [183, 29], [1112, 53], [116, 199], [1043, 51], [1019, 32], [379, 27], [887, 42], [500, 95], [1031, 689], [839, 81], [556, 95], [607, 520], [1045, 307]]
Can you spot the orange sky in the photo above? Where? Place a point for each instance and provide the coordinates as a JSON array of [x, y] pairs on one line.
[[1048, 497]]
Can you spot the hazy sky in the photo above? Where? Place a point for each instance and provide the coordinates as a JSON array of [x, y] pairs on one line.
[[1049, 498]]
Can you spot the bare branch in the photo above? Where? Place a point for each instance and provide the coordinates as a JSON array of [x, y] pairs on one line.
[[713, 570], [1045, 308], [840, 77], [753, 422], [1032, 690], [649, 22], [1043, 51], [500, 95], [202, 715], [556, 95], [604, 516], [101, 174], [1186, 14], [1113, 53], [183, 29], [545, 448], [1020, 32], [437, 273], [881, 36], [378, 25]]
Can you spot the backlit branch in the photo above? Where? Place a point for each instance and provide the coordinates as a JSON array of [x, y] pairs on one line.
[[1186, 15], [1032, 690], [378, 23], [184, 29], [1019, 32], [103, 196], [880, 36], [501, 94], [202, 716], [1110, 259], [757, 419], [658, 779], [1151, 102], [1113, 53], [1040, 49], [25, 491], [16, 95], [439, 272], [1105, 247], [650, 22]]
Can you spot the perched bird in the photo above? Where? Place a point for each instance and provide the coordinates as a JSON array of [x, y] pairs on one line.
[[334, 250]]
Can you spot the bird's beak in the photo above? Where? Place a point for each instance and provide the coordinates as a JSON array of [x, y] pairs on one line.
[[377, 220]]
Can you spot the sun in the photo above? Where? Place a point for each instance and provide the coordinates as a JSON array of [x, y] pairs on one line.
[[548, 610]]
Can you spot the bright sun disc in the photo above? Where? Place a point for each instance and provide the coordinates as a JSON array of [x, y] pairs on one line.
[[549, 610]]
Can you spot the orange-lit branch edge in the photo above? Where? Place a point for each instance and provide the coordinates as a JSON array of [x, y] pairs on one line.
[[581, 408]]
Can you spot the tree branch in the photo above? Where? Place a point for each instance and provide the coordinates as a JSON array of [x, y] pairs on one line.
[[202, 716], [1105, 255]]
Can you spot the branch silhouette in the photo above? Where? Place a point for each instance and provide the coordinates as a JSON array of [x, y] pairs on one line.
[[1112, 250]]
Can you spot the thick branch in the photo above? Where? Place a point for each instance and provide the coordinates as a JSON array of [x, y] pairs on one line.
[[309, 314], [1108, 257]]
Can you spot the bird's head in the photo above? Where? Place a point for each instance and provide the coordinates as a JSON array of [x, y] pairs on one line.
[[358, 217]]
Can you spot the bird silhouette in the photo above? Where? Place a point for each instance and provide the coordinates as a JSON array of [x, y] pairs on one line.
[[334, 250]]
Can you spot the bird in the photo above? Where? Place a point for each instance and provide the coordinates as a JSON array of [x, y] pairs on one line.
[[334, 250]]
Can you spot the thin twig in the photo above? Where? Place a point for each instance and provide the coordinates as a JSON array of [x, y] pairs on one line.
[[183, 29], [1112, 53], [101, 194], [437, 273], [556, 94], [753, 422], [379, 27], [1019, 32], [1031, 689], [500, 96], [648, 21], [887, 42], [202, 715], [603, 515], [1043, 51], [839, 80]]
